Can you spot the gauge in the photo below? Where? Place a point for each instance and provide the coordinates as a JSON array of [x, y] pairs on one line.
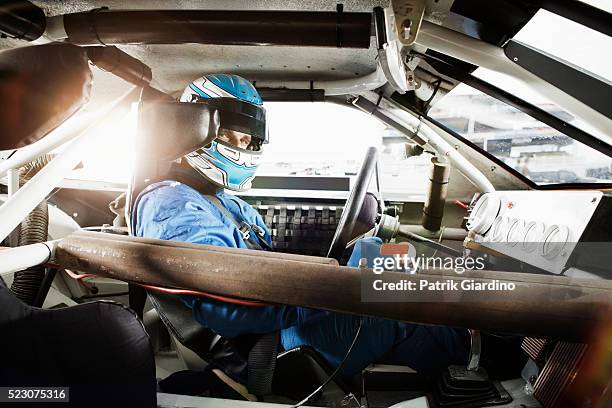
[[533, 233], [555, 239], [515, 231], [483, 215], [499, 229]]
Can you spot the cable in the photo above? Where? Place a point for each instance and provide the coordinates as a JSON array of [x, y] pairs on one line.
[[336, 371], [501, 336], [462, 204], [78, 276], [431, 243], [439, 240], [251, 303]]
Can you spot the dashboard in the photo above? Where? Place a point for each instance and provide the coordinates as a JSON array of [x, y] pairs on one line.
[[542, 228]]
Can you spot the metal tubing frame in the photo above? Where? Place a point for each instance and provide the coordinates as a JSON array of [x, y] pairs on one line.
[[429, 137], [23, 257], [480, 53], [22, 19], [433, 209], [12, 181], [13, 185], [57, 137], [582, 305], [18, 206], [219, 27], [349, 86], [447, 233]]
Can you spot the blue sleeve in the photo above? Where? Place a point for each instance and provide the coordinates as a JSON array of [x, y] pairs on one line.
[[166, 214], [230, 320]]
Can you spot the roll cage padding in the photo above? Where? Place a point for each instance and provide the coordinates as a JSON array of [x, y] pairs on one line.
[[99, 349], [40, 87]]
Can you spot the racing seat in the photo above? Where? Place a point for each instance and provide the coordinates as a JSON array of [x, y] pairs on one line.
[[99, 350], [110, 363], [254, 354]]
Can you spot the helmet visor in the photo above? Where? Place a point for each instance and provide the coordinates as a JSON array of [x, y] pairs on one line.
[[240, 116]]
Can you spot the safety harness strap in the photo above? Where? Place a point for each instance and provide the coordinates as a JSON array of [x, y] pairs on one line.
[[253, 240], [262, 356]]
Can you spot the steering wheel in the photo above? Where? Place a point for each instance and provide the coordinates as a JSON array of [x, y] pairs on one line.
[[352, 208]]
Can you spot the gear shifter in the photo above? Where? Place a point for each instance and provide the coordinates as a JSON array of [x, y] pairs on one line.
[[468, 386]]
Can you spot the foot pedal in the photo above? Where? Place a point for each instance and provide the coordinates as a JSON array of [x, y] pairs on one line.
[[459, 387]]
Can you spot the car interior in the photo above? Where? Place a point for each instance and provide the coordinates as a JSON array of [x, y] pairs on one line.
[[459, 129]]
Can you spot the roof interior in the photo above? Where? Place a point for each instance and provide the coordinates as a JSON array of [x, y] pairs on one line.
[[174, 66]]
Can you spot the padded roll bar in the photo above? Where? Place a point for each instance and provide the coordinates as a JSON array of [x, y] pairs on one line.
[[219, 27], [22, 20], [582, 306]]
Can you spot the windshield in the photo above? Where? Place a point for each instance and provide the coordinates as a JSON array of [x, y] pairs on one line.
[[315, 151], [568, 41], [537, 151], [314, 141]]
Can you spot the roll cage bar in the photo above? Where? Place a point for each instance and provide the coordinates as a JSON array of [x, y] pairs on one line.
[[460, 71]]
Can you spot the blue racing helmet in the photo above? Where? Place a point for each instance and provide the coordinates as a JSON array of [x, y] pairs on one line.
[[240, 109]]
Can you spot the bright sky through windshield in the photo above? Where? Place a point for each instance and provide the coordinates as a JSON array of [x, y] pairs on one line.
[[319, 131], [564, 39], [570, 41], [301, 134]]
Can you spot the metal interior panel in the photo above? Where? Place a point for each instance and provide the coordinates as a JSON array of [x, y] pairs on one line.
[[189, 61], [588, 88], [174, 66]]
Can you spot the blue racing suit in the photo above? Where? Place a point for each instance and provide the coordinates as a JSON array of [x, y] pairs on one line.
[[174, 211]]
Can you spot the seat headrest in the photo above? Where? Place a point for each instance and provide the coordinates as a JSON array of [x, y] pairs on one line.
[[169, 130], [166, 132]]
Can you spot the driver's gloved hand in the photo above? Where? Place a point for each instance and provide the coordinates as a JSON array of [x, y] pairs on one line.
[[368, 248]]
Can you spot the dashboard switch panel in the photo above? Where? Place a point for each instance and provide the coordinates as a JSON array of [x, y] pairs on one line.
[[540, 228]]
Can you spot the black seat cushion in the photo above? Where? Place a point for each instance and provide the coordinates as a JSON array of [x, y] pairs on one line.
[[178, 318], [230, 355], [99, 349]]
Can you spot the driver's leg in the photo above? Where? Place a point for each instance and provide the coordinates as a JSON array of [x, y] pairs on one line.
[[332, 335], [429, 349], [426, 349]]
